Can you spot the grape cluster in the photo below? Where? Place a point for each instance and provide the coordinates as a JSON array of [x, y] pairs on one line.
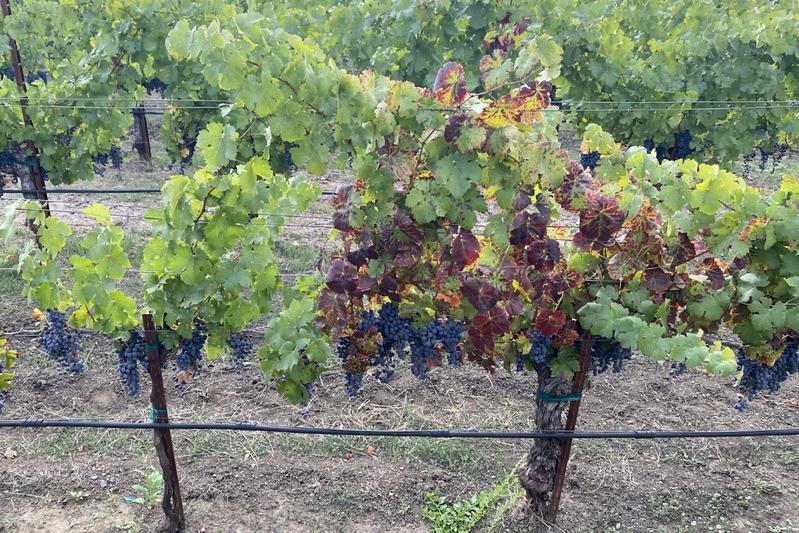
[[130, 355], [36, 76], [190, 350], [608, 354], [61, 342], [395, 332], [682, 145], [677, 368], [450, 335], [354, 380], [757, 376], [539, 353], [589, 160], [154, 85], [398, 336], [241, 347], [101, 161], [65, 137]]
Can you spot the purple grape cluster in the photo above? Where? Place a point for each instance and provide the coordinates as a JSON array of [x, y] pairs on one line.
[[589, 160], [400, 336], [539, 353], [190, 350], [154, 85], [241, 348], [61, 342], [758, 377], [608, 354], [131, 354], [101, 161]]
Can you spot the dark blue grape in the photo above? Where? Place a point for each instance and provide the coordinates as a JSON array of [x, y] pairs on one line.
[[190, 350], [115, 153], [154, 85], [241, 347], [539, 353], [758, 377], [682, 146], [61, 342], [131, 354], [608, 354], [589, 160]]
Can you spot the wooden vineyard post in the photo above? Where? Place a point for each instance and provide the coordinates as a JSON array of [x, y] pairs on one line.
[[571, 422], [172, 503], [143, 139], [34, 167]]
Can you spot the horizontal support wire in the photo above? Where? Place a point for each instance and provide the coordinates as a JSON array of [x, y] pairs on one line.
[[432, 433], [568, 109], [101, 191]]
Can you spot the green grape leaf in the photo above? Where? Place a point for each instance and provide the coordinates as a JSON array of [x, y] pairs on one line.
[[217, 143]]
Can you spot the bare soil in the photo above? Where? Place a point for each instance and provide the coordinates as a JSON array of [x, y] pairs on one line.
[[75, 480]]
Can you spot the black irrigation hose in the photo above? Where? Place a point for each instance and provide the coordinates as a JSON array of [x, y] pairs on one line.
[[100, 191], [435, 434]]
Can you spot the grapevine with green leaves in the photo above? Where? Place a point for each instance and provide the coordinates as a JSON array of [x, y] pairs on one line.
[[466, 216]]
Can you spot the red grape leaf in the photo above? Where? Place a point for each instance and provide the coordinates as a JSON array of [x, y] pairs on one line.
[[465, 248], [480, 293], [549, 322], [543, 254], [685, 248], [711, 268], [450, 85], [657, 280], [526, 227], [366, 284], [522, 200], [342, 277], [571, 194], [334, 310], [487, 325], [404, 240], [599, 222]]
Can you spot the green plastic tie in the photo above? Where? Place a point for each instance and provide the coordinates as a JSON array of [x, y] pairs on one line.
[[554, 398], [28, 162], [151, 347], [155, 412]]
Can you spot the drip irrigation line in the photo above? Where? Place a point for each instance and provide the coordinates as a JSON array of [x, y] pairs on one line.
[[433, 433]]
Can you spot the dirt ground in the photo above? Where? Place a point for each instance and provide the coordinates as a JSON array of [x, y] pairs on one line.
[[58, 480], [75, 480]]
